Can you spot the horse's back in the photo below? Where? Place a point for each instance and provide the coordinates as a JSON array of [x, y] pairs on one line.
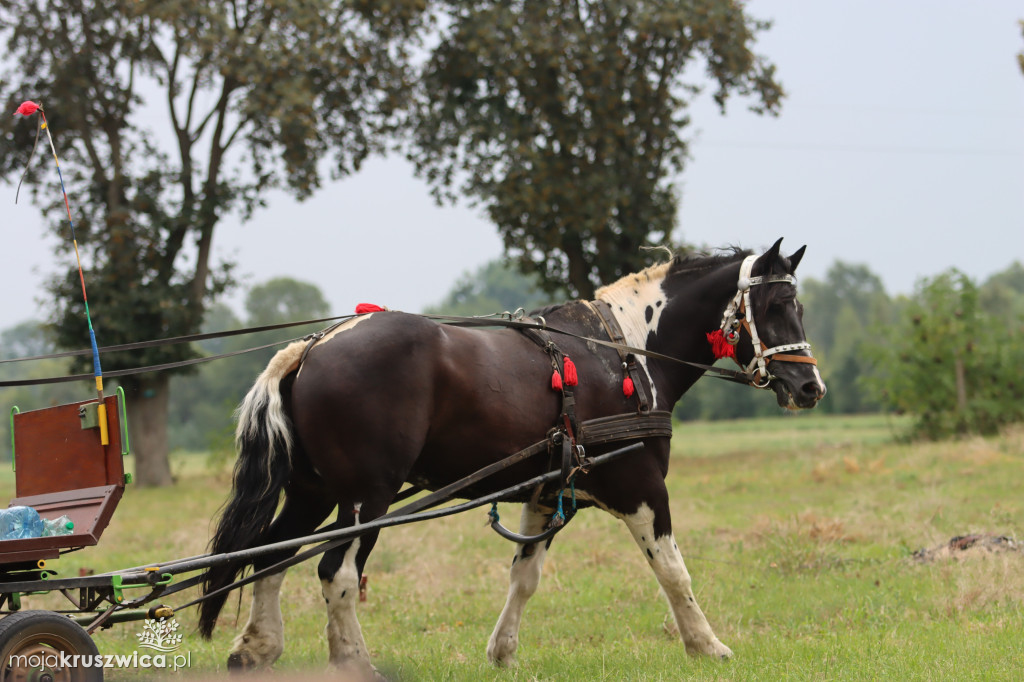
[[386, 388]]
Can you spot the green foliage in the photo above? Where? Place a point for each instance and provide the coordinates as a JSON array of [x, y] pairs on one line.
[[201, 405], [564, 120], [1020, 55], [257, 95], [492, 288], [1003, 293], [29, 339], [839, 315], [954, 366]]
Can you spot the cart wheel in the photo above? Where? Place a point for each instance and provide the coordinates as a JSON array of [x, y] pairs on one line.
[[33, 644]]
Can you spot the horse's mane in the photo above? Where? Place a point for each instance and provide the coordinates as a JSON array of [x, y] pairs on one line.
[[700, 261], [692, 263], [689, 263]]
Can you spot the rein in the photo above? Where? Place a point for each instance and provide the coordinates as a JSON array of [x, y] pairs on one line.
[[456, 321]]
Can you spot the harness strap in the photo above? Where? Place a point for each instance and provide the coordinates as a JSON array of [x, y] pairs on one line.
[[568, 410], [628, 359]]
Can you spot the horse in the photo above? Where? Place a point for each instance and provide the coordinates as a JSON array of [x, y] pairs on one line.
[[389, 398]]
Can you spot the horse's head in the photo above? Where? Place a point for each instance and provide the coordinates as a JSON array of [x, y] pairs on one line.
[[765, 322]]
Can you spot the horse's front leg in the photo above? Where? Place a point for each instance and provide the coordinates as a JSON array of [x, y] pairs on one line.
[[652, 531], [525, 577]]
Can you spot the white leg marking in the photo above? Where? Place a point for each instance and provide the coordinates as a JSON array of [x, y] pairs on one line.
[[261, 641], [525, 577], [344, 636], [667, 563]]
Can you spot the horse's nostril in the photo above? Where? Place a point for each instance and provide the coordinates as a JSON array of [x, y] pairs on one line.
[[812, 388]]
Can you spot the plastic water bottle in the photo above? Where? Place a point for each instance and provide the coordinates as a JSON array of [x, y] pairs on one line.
[[20, 522], [61, 525]]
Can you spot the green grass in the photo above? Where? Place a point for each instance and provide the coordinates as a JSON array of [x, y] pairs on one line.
[[798, 532]]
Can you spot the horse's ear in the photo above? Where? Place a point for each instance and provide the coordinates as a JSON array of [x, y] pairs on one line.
[[769, 257], [794, 260]]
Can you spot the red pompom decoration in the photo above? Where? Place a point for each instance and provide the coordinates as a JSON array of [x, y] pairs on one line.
[[364, 308], [556, 381], [719, 346], [27, 109], [571, 378], [627, 387]]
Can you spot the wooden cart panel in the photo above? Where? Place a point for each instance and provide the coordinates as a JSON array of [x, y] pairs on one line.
[[61, 467]]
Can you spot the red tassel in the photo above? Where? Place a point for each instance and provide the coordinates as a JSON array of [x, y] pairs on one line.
[[556, 381], [27, 109], [364, 308], [627, 387], [571, 378], [719, 346]]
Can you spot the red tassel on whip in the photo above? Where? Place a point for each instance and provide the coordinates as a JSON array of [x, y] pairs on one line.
[[27, 109], [571, 378]]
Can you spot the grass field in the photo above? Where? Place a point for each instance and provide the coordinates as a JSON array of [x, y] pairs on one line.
[[798, 531]]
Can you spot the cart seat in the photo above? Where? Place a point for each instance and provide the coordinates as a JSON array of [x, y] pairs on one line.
[[61, 467]]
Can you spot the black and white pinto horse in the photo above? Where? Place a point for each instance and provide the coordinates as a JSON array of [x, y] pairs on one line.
[[389, 398]]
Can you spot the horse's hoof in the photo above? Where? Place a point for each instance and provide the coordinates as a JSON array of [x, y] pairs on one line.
[[714, 649], [240, 662], [721, 651]]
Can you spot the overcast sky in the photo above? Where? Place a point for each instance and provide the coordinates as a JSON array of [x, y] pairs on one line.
[[900, 146]]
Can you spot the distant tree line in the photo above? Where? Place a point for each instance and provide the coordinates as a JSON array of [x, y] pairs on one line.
[[951, 354]]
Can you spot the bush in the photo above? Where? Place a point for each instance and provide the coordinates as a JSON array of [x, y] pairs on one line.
[[956, 367]]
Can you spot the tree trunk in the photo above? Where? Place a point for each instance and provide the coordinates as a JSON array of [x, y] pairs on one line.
[[146, 402], [961, 385]]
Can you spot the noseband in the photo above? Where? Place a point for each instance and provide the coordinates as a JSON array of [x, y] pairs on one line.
[[740, 312]]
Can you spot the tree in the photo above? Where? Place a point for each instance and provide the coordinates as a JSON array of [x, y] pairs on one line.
[[840, 314], [202, 403], [955, 367], [1002, 294], [256, 95], [492, 288], [1020, 55], [564, 120]]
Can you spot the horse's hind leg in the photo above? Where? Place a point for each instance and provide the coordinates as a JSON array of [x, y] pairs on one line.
[[340, 571], [261, 641], [654, 536], [525, 577]]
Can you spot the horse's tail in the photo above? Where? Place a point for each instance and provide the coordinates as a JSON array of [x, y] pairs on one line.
[[264, 441]]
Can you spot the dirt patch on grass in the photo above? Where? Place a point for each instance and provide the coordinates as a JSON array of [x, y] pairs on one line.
[[969, 547]]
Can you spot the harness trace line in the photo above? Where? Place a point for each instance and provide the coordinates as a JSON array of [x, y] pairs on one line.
[[26, 109]]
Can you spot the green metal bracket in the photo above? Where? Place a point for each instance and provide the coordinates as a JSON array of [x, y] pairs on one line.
[[15, 599], [89, 415], [117, 582], [122, 411], [14, 411]]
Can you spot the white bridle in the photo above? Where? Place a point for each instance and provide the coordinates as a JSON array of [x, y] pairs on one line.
[[739, 312]]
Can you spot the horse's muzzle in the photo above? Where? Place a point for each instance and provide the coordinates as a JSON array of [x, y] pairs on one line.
[[799, 396]]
